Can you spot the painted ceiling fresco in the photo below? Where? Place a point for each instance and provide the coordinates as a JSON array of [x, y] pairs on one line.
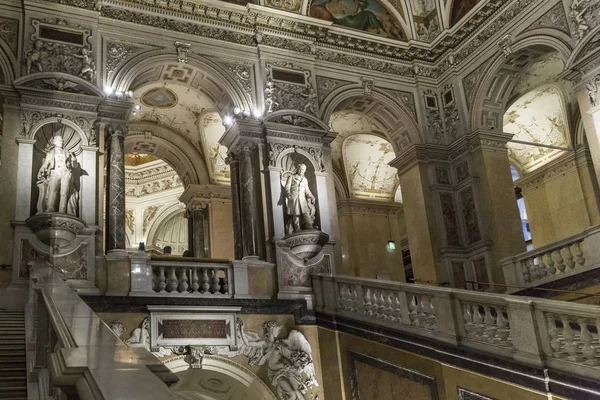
[[171, 105], [366, 159], [538, 117], [540, 71], [212, 129], [364, 15], [346, 123], [425, 19], [460, 8]]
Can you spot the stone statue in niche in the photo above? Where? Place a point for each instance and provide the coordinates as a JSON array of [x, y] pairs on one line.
[[289, 361], [33, 57], [55, 180], [299, 201]]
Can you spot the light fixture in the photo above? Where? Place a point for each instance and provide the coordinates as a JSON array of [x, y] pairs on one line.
[[391, 244], [119, 95], [246, 113], [129, 94], [257, 113], [108, 90], [237, 110], [227, 120], [137, 107]]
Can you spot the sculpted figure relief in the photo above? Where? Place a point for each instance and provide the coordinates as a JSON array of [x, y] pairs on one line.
[[55, 181], [289, 361], [299, 201]]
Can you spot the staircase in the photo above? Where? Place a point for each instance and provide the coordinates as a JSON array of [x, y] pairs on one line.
[[13, 375]]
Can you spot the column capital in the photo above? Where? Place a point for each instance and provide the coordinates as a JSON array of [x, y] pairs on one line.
[[114, 111], [243, 134], [196, 194]]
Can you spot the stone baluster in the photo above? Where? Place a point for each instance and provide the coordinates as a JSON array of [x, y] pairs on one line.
[[490, 322], [162, 280], [569, 336], [555, 342], [468, 318], [368, 310], [578, 254], [183, 280], [225, 286], [215, 287], [397, 308], [195, 284], [569, 262], [173, 281], [413, 313], [503, 328], [588, 350], [389, 305], [526, 270], [115, 219], [559, 260], [548, 262], [205, 281], [479, 325], [431, 314]]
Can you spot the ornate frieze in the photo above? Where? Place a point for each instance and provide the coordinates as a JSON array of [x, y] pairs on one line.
[[584, 17], [242, 74], [146, 182], [449, 217], [29, 117], [64, 47], [148, 215], [433, 117], [155, 21], [470, 215], [117, 53], [326, 85], [282, 94], [554, 18], [9, 32], [452, 120]]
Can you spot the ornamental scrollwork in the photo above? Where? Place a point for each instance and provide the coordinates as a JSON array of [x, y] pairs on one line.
[[9, 32], [116, 53], [283, 95], [30, 117], [276, 148], [584, 16]]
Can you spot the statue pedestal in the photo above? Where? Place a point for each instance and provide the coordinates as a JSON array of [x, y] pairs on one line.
[[55, 229], [306, 244]]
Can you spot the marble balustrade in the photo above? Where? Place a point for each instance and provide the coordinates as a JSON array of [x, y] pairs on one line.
[[77, 355], [193, 278], [538, 332], [555, 261]]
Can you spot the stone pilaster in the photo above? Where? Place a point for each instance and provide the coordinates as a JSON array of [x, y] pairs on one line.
[[115, 202], [461, 209]]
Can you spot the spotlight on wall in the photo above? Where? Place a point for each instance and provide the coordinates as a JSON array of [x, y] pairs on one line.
[[391, 245], [237, 110], [129, 94], [227, 120], [108, 90], [246, 113], [119, 95], [257, 113], [137, 107]]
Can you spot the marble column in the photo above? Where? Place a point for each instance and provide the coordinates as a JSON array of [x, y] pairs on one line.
[[115, 223], [234, 167], [248, 202], [198, 216]]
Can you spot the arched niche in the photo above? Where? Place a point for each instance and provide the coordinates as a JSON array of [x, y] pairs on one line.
[[73, 138], [218, 378], [166, 219]]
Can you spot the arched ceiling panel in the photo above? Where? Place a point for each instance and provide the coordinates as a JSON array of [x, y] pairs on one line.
[[538, 118], [212, 129], [366, 159]]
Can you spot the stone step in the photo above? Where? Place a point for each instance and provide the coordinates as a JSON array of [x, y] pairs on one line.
[[16, 371], [13, 391], [9, 362], [11, 381]]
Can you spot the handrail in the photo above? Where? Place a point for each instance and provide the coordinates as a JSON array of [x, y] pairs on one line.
[[534, 331], [80, 354]]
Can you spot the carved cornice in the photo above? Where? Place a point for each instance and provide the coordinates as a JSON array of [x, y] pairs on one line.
[[356, 206], [554, 169], [268, 27], [195, 196]]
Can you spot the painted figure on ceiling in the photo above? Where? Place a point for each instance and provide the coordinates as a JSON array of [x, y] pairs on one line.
[[461, 8], [365, 15]]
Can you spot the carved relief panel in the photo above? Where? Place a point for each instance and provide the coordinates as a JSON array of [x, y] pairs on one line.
[[288, 86]]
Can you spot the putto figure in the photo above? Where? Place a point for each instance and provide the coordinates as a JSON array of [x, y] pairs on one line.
[[299, 201], [55, 181]]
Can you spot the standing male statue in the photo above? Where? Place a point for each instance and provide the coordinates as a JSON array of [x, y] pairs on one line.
[[55, 180], [300, 202]]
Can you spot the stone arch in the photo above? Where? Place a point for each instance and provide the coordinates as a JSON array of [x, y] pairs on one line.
[[341, 185], [249, 386], [199, 73], [492, 94], [164, 215], [36, 79], [7, 64], [398, 119], [178, 152], [584, 47]]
